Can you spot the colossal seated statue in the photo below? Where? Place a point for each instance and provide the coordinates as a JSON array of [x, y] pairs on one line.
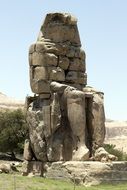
[[65, 117]]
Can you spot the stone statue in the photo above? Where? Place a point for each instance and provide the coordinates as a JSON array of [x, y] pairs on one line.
[[65, 117]]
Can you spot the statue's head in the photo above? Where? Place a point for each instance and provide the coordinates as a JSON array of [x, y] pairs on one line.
[[60, 27]]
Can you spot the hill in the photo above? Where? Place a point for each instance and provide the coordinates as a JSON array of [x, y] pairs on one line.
[[116, 133], [10, 103]]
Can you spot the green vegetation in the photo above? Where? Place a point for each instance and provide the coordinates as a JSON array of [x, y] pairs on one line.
[[13, 131], [112, 150], [11, 182]]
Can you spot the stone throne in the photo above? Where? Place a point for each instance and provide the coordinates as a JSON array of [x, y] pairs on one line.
[[65, 117]]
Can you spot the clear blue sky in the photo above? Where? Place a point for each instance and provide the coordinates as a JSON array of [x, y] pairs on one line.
[[103, 30]]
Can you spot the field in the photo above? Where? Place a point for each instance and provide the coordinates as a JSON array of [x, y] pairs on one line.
[[16, 182]]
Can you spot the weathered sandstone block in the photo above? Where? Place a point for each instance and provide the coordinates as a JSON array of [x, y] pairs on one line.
[[77, 65], [40, 86], [76, 77], [63, 62], [56, 74], [43, 59]]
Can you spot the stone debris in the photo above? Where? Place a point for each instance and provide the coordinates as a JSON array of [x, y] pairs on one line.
[[8, 167]]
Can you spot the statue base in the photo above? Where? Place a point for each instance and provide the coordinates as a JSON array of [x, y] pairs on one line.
[[80, 172]]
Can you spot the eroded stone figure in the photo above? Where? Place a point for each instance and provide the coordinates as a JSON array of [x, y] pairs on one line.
[[65, 117]]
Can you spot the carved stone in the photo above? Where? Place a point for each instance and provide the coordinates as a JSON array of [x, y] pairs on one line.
[[66, 118]]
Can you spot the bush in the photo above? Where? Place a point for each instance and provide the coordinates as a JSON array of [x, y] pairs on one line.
[[110, 148], [13, 131]]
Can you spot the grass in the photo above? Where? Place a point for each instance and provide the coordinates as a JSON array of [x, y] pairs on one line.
[[11, 182]]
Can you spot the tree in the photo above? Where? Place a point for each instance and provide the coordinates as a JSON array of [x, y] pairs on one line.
[[13, 131]]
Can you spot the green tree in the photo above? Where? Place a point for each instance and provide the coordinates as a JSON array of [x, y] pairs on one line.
[[13, 131]]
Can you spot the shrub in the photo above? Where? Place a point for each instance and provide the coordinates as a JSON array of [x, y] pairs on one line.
[[110, 148]]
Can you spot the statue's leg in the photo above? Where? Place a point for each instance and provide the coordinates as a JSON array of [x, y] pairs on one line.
[[96, 118], [77, 120], [98, 121]]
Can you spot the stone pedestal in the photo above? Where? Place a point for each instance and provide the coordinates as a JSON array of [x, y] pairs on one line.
[[81, 172]]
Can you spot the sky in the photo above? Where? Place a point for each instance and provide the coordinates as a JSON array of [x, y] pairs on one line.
[[102, 26]]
